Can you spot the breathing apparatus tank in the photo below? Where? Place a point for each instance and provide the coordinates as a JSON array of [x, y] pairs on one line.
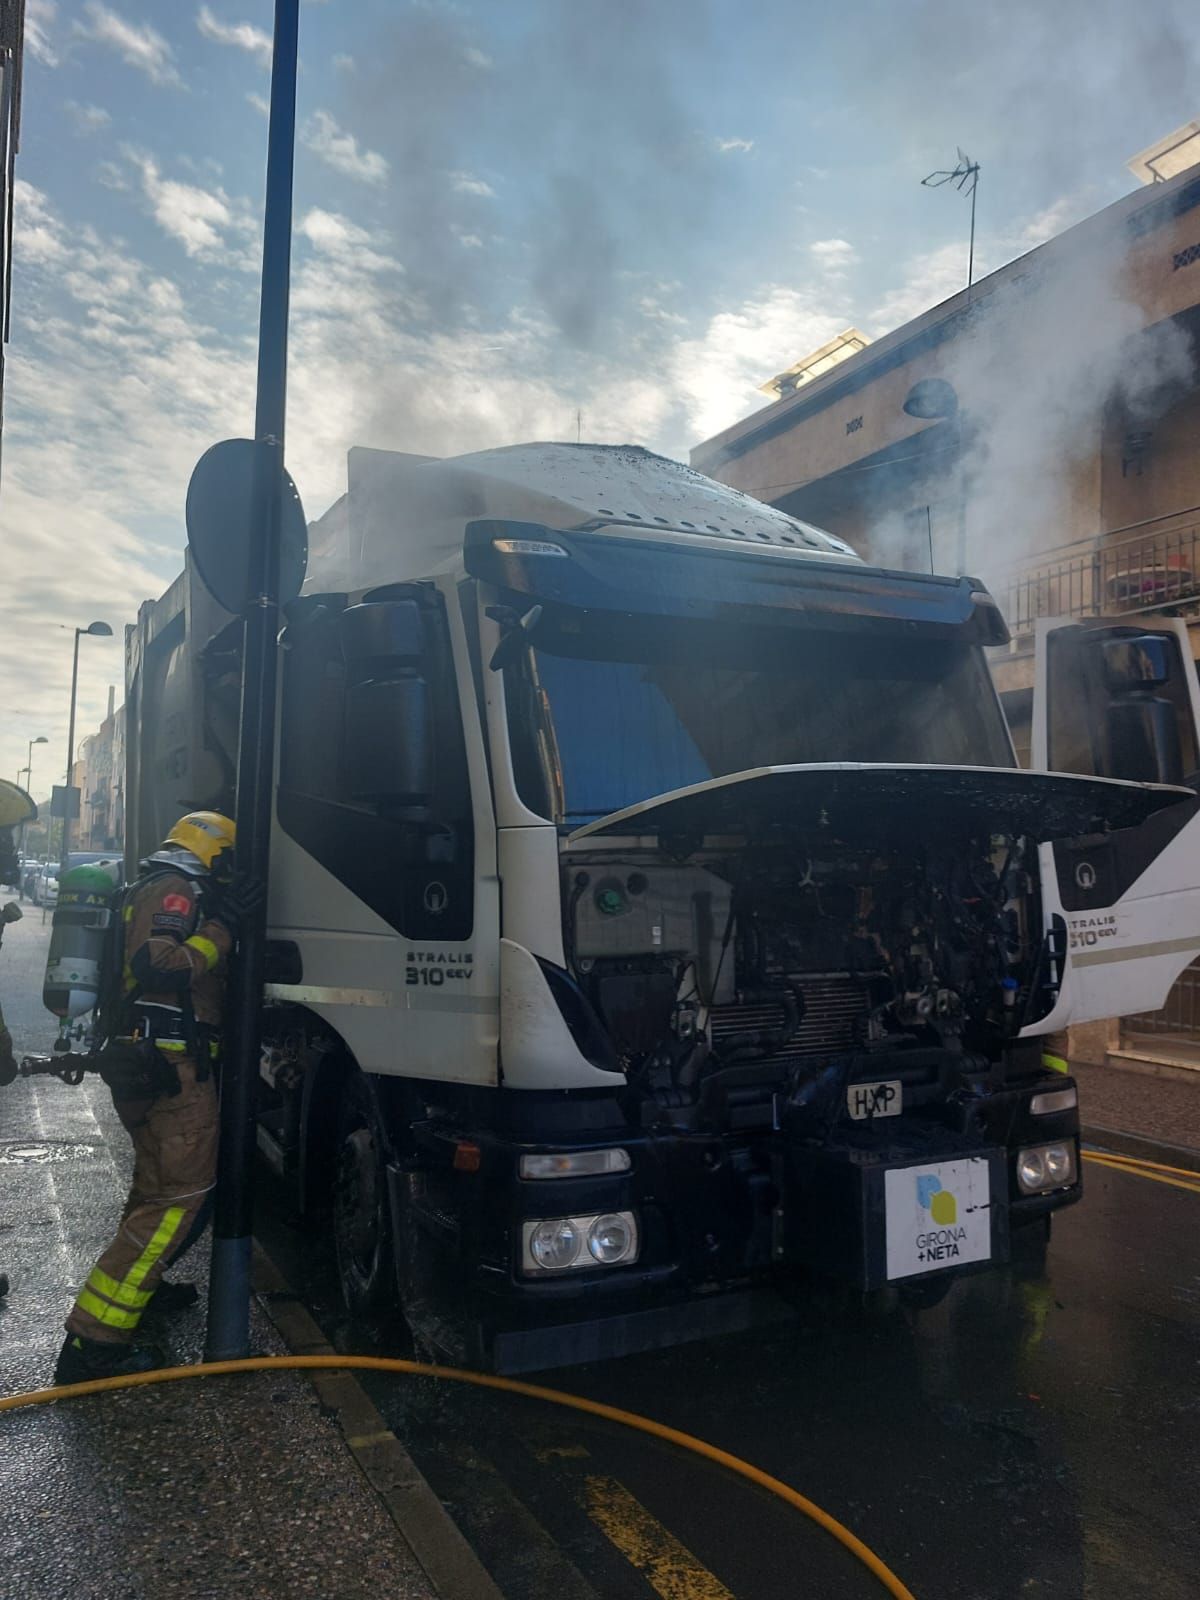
[[81, 934]]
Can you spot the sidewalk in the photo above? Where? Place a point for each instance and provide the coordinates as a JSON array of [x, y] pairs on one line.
[[233, 1486], [1142, 1106]]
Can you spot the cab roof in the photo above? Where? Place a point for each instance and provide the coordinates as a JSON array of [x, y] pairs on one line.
[[405, 516]]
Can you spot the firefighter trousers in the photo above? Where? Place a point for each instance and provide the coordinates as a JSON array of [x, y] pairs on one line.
[[174, 1170]]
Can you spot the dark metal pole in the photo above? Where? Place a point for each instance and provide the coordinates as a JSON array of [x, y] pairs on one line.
[[971, 253], [229, 1294], [66, 834]]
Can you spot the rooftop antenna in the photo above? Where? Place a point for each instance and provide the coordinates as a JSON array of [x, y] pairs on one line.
[[965, 178]]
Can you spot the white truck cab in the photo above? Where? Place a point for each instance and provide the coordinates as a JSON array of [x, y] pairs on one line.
[[657, 909]]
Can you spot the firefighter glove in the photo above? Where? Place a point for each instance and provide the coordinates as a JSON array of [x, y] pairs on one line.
[[239, 901]]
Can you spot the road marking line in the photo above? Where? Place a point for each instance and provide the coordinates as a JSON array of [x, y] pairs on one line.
[[1139, 1172], [668, 1566], [560, 1452], [1140, 1161], [360, 1441]]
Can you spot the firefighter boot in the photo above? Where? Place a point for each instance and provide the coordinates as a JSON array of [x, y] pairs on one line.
[[171, 1297], [81, 1359]]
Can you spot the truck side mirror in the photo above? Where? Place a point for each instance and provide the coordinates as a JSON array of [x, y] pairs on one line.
[[388, 747], [1141, 662], [1143, 739], [516, 635], [1142, 726]]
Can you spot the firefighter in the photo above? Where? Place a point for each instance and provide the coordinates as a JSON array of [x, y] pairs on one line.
[[179, 924]]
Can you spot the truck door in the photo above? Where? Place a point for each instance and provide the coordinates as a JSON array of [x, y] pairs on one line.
[[1121, 700]]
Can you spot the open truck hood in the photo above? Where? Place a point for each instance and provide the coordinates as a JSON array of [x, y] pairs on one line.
[[869, 800]]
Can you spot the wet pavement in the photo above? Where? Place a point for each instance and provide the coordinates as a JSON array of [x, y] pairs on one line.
[[1032, 1436], [234, 1486]]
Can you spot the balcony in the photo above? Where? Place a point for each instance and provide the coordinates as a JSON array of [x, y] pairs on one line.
[[1152, 567]]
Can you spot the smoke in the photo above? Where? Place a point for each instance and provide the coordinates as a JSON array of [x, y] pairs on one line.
[[558, 153], [1053, 366], [1068, 347], [1028, 88], [1052, 100]]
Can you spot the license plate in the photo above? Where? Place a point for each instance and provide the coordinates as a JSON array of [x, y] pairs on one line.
[[867, 1100]]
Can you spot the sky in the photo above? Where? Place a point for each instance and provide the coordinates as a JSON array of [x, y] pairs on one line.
[[515, 220]]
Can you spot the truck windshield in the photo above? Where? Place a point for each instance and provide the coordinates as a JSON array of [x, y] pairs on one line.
[[592, 733]]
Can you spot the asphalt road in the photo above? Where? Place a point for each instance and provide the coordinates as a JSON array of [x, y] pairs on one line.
[[1034, 1435]]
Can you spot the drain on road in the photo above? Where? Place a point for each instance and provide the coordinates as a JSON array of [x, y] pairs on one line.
[[24, 1154]]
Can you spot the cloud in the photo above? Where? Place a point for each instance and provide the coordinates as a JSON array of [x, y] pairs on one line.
[[39, 19], [112, 176], [930, 278], [260, 103], [196, 217], [833, 256], [464, 183], [727, 146], [141, 46], [341, 151], [344, 63], [88, 119], [127, 375], [115, 385], [718, 372], [242, 35], [1056, 218]]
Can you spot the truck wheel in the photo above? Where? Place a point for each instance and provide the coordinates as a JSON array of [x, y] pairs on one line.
[[362, 1227]]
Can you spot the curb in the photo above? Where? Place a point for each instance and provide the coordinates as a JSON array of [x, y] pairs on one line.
[[448, 1561], [1134, 1144]]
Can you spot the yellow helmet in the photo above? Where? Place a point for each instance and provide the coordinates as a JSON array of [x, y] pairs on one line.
[[207, 835]]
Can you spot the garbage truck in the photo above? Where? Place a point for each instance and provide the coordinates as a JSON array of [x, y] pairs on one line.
[[659, 920]]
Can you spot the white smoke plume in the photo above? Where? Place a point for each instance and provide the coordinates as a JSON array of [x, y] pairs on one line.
[[1043, 360]]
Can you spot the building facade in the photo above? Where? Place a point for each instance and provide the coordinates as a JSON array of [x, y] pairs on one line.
[[1038, 431], [99, 773]]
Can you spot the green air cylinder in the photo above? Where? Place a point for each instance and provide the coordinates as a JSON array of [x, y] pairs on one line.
[[78, 937]]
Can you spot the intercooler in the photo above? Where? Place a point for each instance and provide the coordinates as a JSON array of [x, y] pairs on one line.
[[833, 1003]]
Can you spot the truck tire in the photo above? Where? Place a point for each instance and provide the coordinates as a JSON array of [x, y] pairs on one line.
[[362, 1228]]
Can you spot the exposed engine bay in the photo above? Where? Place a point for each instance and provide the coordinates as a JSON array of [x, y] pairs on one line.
[[781, 955]]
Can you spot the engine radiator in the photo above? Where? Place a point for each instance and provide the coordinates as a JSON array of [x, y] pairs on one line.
[[833, 1001]]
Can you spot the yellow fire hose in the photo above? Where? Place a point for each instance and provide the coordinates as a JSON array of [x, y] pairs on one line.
[[482, 1380]]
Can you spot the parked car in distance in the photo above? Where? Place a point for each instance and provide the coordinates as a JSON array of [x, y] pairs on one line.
[[44, 888]]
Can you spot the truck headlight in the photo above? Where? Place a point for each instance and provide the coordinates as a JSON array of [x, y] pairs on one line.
[[554, 1245], [565, 1244], [1044, 1167], [613, 1238]]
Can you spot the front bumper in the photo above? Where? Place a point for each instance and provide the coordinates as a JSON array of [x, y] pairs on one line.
[[721, 1218]]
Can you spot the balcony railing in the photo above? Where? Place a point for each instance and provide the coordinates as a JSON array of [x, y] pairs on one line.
[[1181, 1014], [1152, 566]]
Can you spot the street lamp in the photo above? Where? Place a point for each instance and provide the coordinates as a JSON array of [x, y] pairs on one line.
[[97, 630], [27, 769]]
